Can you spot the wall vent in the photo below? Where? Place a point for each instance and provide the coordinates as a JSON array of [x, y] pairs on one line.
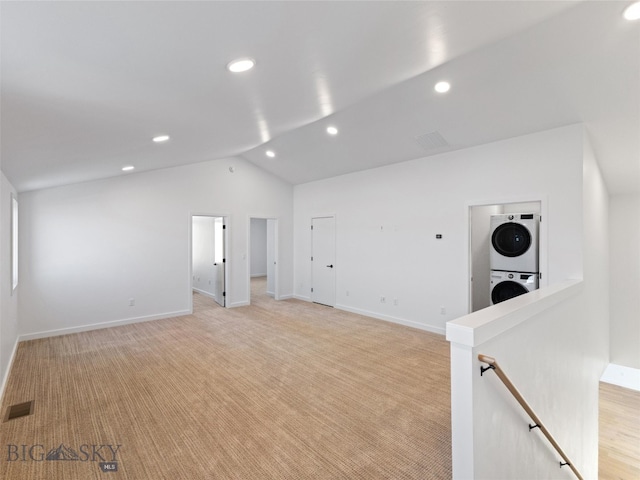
[[432, 141], [19, 410]]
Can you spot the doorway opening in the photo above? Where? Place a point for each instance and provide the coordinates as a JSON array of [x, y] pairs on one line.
[[208, 261], [480, 246], [263, 259]]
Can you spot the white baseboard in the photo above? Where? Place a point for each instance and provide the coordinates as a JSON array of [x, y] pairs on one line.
[[388, 318], [286, 297], [3, 382], [622, 376], [243, 303], [98, 326], [205, 293], [255, 275]]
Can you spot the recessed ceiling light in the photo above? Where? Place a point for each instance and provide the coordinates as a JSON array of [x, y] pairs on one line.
[[270, 153], [128, 168], [332, 130], [161, 138], [442, 87], [632, 12], [241, 65]]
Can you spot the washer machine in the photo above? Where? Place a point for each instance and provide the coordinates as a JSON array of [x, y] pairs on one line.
[[506, 285], [514, 242]]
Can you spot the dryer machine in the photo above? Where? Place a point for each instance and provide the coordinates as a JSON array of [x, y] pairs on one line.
[[506, 285], [514, 242]]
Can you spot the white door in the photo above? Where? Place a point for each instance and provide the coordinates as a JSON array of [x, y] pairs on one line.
[[272, 228], [323, 252], [219, 262]]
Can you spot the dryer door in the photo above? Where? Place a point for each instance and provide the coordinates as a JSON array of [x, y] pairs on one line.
[[511, 239], [506, 290]]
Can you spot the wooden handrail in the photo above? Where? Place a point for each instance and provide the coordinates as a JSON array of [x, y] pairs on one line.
[[493, 365]]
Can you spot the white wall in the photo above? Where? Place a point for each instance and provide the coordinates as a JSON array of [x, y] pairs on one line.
[[387, 220], [86, 249], [553, 344], [624, 231], [258, 247], [595, 330], [480, 248], [8, 298], [531, 207], [203, 255]]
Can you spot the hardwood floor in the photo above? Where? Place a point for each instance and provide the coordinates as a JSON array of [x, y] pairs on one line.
[[619, 455]]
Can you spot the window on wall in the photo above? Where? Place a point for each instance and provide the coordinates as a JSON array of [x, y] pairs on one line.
[[14, 242]]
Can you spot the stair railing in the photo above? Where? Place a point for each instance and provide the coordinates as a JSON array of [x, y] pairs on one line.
[[493, 365]]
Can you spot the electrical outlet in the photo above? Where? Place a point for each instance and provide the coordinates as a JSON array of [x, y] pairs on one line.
[[132, 302], [395, 302], [347, 293], [383, 300], [443, 311]]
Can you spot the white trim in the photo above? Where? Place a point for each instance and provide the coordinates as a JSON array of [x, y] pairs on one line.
[[243, 303], [5, 378], [379, 316], [388, 318], [622, 376], [226, 221], [206, 294], [98, 326], [287, 297]]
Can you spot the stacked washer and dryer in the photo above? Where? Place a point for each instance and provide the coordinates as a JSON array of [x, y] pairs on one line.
[[513, 258]]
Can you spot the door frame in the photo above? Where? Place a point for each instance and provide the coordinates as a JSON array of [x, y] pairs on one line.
[[225, 219], [276, 256]]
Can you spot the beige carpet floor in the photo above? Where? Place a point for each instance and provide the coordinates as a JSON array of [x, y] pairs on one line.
[[277, 390]]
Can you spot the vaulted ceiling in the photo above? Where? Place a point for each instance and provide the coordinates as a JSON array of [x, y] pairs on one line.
[[86, 85]]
